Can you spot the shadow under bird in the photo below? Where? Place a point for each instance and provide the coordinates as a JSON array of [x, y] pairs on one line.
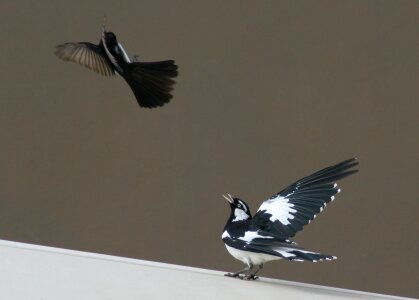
[[266, 236], [151, 82]]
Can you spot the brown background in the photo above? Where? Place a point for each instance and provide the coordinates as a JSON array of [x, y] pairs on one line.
[[269, 91]]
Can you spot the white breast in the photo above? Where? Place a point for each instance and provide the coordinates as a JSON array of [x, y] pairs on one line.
[[250, 257]]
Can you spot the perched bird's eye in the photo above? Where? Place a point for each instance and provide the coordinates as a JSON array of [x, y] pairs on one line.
[[265, 236]]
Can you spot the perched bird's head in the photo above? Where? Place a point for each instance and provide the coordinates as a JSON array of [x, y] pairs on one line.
[[239, 209]]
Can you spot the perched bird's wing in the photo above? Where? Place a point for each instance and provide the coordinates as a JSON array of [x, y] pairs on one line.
[[287, 212], [89, 55], [151, 82], [252, 235]]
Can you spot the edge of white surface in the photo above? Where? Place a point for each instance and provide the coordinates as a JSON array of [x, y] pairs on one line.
[[33, 247]]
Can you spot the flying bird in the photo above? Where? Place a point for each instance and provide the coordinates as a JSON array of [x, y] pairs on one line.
[[266, 236], [151, 82]]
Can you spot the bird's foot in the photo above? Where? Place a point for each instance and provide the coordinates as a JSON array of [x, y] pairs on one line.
[[235, 275], [250, 277]]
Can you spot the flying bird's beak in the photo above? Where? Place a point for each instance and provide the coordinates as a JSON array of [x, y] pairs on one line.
[[229, 198], [105, 19]]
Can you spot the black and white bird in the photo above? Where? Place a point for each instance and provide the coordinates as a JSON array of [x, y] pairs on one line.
[[151, 82], [266, 236]]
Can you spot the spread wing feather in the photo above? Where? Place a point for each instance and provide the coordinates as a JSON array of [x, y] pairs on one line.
[[86, 54], [285, 213]]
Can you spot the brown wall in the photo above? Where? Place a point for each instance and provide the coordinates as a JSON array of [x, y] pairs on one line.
[[269, 91]]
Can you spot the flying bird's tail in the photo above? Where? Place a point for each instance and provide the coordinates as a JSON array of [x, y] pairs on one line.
[[151, 82]]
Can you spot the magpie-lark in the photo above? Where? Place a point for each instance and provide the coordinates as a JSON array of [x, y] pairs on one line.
[[151, 82], [266, 236]]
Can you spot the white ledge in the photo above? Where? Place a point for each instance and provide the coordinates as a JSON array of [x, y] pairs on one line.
[[46, 273]]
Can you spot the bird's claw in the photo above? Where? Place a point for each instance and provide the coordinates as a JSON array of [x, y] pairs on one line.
[[233, 275], [242, 276], [250, 277]]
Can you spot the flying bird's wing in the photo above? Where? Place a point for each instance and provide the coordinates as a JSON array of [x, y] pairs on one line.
[[86, 54], [151, 82], [285, 213]]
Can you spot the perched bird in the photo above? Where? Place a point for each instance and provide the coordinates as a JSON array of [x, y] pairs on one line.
[[266, 236], [151, 82]]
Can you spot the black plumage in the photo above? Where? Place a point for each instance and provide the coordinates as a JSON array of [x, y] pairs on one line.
[[309, 196], [266, 236], [151, 82]]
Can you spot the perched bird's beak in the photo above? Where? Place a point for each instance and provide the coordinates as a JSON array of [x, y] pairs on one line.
[[229, 198]]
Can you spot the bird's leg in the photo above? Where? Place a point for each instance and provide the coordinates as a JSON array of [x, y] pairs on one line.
[[239, 274], [253, 276]]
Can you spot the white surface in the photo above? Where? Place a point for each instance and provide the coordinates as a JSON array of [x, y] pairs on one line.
[[30, 272]]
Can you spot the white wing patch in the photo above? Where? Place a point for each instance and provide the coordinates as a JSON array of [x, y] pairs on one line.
[[280, 209], [225, 235], [251, 235], [284, 253]]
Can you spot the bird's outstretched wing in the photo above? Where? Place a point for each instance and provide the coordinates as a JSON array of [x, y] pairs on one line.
[[285, 213], [86, 54], [151, 82]]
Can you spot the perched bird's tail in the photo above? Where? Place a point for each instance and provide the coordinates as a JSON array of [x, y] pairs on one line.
[[288, 252], [301, 255], [151, 82]]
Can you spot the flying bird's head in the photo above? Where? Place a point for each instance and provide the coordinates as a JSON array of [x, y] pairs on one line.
[[239, 209], [108, 35]]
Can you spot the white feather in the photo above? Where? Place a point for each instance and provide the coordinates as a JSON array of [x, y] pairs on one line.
[[250, 257], [240, 215], [251, 235], [225, 234], [126, 58], [280, 209]]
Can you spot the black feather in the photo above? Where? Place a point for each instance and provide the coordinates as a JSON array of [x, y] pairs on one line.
[[151, 82]]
